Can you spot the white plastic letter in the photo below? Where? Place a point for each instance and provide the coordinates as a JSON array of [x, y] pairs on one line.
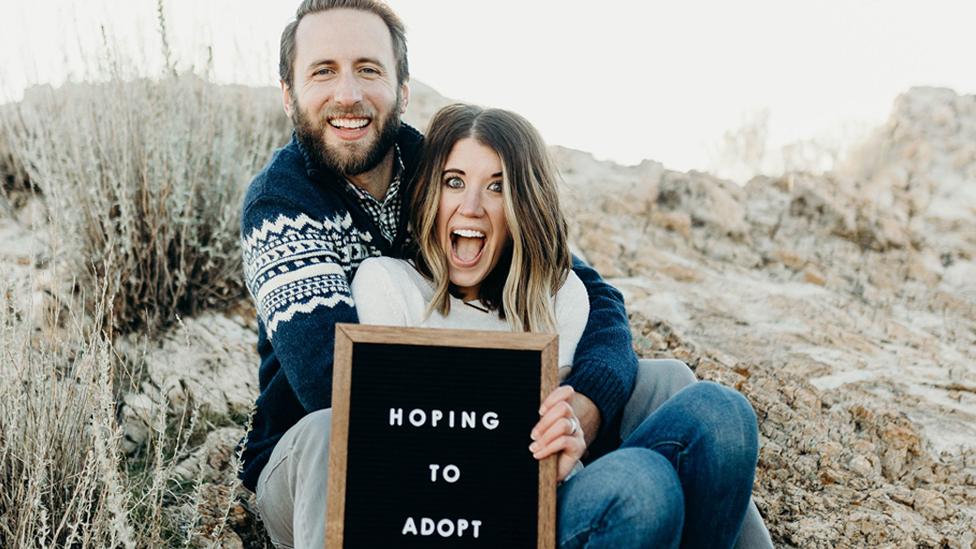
[[417, 417], [490, 420], [451, 473], [396, 416], [445, 527], [409, 527]]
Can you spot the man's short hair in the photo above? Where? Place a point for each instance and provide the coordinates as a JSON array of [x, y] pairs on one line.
[[286, 60]]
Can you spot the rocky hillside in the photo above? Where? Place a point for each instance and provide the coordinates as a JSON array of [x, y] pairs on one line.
[[842, 305]]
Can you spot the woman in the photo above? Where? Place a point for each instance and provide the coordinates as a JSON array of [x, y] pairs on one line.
[[492, 254]]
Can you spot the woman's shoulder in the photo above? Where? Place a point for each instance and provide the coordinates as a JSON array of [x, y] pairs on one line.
[[383, 264], [382, 277], [572, 290]]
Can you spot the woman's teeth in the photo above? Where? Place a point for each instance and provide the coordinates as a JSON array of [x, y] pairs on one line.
[[469, 233]]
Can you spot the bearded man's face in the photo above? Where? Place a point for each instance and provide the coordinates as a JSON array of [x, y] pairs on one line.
[[344, 99], [354, 155]]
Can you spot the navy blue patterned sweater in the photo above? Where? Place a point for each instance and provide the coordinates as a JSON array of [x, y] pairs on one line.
[[303, 238]]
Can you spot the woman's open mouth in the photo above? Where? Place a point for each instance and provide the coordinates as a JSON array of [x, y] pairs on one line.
[[467, 245]]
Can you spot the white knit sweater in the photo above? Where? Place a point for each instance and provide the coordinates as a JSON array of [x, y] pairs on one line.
[[391, 292]]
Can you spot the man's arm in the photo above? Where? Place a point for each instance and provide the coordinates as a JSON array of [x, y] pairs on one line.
[[605, 366], [294, 273]]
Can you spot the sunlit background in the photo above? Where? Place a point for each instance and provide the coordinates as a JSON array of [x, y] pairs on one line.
[[624, 80]]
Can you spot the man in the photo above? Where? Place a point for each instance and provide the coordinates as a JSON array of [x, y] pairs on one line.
[[335, 195]]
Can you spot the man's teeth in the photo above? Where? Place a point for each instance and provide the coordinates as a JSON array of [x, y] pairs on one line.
[[469, 233], [349, 123]]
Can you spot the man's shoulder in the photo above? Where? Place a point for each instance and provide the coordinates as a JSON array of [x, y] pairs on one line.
[[285, 177]]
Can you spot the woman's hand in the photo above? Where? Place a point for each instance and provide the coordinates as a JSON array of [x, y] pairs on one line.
[[558, 431]]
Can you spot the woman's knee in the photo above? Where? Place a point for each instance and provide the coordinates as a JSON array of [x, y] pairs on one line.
[[728, 421], [645, 487]]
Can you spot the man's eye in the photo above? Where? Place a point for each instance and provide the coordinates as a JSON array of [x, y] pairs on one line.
[[370, 70], [454, 183], [322, 72], [495, 186]]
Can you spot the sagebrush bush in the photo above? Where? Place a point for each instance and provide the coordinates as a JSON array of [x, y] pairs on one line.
[[14, 181], [65, 479], [147, 177]]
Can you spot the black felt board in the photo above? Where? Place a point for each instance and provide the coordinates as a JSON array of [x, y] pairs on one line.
[[388, 478]]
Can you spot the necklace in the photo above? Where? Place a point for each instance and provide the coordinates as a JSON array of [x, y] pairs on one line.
[[473, 306]]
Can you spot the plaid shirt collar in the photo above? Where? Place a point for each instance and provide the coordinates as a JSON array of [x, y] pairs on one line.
[[385, 212]]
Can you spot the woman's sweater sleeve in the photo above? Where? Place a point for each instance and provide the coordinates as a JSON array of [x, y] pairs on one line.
[[378, 301]]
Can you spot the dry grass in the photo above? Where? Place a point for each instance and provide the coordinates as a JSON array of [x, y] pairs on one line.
[[147, 177], [141, 181], [15, 184]]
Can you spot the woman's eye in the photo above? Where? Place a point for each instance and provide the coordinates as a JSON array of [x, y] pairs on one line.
[[454, 183], [495, 186]]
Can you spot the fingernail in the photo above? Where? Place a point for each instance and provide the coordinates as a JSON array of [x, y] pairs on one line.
[[533, 436], [541, 410], [533, 447]]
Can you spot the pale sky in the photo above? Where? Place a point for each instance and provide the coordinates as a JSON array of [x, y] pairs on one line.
[[625, 80]]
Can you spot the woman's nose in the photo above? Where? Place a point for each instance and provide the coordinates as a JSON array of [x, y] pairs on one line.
[[471, 203]]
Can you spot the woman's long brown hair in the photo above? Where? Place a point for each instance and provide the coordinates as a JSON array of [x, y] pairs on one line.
[[537, 260]]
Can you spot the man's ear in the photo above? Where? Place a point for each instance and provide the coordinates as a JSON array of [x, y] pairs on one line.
[[404, 97], [286, 97]]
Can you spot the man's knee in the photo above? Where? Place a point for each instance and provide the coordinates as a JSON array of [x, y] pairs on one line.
[[310, 436], [670, 373]]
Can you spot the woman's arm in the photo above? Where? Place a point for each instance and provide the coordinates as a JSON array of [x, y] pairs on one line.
[[378, 300]]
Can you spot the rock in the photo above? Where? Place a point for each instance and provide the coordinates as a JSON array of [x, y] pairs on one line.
[[813, 276], [932, 505]]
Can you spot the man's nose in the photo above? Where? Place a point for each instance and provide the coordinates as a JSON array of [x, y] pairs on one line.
[[471, 203], [348, 90]]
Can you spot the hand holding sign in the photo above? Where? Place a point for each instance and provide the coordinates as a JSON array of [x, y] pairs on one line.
[[559, 431]]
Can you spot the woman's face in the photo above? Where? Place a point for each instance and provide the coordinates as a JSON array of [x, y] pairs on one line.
[[471, 224]]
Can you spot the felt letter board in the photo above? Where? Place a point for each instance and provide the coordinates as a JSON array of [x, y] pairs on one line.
[[430, 436]]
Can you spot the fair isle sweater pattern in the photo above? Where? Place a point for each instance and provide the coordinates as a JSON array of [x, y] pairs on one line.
[[294, 265]]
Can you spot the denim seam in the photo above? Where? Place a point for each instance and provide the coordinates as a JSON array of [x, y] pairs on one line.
[[589, 530], [678, 455]]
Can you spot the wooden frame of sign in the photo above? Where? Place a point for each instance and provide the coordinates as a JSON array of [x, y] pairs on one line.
[[399, 446]]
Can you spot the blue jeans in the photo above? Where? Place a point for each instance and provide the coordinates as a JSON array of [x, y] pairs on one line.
[[682, 478]]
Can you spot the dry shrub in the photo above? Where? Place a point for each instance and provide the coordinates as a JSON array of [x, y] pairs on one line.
[[61, 479], [15, 184], [147, 176], [65, 480]]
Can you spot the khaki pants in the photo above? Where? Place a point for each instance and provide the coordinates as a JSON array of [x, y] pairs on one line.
[[291, 491]]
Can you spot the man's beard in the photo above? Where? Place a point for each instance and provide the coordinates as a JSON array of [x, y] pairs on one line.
[[351, 163]]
